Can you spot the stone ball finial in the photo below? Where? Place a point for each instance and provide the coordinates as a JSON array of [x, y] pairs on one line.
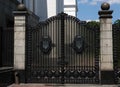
[[21, 7], [105, 6]]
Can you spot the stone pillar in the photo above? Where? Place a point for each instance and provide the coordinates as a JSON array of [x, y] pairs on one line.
[[20, 18], [106, 45]]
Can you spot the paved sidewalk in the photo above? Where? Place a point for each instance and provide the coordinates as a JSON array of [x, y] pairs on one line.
[[30, 85], [65, 85]]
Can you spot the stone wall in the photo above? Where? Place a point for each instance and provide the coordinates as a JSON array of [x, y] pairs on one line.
[[32, 19], [6, 21], [6, 15]]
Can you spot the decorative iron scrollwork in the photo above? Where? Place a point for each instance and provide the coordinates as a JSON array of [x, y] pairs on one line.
[[76, 74], [91, 74], [57, 73], [78, 44], [45, 44], [50, 74], [82, 74], [68, 73], [118, 74]]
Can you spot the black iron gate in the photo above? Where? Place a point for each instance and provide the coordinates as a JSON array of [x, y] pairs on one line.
[[62, 50]]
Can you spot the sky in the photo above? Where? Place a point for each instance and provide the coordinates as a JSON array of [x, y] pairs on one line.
[[88, 9]]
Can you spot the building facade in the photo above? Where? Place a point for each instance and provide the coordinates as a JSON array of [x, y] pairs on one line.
[[6, 41], [70, 7], [6, 22], [47, 8]]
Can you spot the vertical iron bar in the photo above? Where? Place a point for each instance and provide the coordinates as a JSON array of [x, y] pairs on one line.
[[62, 48], [57, 48], [59, 30], [54, 52], [0, 46]]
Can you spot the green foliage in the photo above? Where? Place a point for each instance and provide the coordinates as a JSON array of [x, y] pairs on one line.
[[117, 22], [93, 24]]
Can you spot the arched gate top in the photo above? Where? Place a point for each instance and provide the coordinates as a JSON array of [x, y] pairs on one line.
[[59, 16]]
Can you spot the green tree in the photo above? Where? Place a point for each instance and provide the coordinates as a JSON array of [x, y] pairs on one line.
[[93, 24], [117, 22]]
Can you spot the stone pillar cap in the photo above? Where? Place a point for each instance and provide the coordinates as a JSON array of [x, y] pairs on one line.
[[105, 6], [105, 12]]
